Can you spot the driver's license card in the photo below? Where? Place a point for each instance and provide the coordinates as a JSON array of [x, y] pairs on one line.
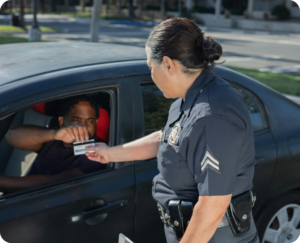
[[79, 147]]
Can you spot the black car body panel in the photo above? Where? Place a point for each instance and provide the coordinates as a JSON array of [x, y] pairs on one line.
[[45, 214]]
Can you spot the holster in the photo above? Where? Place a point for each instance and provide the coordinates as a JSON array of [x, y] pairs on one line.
[[238, 213], [180, 214]]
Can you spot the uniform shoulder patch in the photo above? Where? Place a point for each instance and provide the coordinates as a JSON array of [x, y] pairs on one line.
[[210, 161]]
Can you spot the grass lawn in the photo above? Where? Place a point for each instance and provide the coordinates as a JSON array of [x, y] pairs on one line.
[[9, 39], [10, 28], [284, 83]]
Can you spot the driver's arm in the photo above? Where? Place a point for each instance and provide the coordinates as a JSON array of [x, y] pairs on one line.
[[29, 137], [14, 184], [32, 138]]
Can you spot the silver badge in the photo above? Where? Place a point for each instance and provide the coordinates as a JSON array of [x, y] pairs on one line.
[[174, 135]]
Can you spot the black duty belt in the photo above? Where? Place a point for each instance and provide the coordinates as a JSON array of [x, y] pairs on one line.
[[237, 216]]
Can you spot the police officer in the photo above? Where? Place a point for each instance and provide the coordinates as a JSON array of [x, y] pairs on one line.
[[205, 153]]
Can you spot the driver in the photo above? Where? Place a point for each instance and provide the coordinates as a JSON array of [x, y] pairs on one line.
[[56, 160]]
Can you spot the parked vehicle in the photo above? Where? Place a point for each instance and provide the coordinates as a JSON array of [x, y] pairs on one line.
[[97, 207]]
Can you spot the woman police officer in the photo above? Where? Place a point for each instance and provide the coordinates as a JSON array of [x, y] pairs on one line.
[[205, 153]]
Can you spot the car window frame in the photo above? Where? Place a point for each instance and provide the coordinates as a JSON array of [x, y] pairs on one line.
[[112, 90], [259, 103]]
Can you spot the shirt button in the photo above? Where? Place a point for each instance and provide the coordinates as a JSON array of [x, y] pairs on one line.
[[201, 91]]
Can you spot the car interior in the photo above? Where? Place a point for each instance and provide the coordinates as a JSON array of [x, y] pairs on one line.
[[16, 162]]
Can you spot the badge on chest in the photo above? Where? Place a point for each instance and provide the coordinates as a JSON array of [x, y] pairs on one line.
[[174, 135]]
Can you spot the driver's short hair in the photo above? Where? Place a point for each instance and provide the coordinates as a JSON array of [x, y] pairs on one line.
[[72, 101]]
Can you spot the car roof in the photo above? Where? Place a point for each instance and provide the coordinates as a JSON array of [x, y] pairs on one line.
[[21, 61]]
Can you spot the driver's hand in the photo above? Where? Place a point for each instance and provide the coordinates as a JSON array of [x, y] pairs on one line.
[[101, 153], [72, 133]]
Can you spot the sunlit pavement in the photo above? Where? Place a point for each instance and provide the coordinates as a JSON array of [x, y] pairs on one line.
[[274, 52]]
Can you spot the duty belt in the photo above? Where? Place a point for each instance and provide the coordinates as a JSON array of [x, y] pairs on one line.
[[166, 218], [237, 216]]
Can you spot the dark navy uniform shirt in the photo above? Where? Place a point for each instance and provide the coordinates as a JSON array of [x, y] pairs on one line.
[[207, 146]]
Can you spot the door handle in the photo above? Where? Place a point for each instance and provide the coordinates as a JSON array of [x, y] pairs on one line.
[[110, 207]]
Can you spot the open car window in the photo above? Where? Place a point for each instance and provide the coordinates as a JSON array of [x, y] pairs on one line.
[[16, 162]]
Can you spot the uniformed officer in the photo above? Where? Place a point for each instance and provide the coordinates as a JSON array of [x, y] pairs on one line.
[[205, 153]]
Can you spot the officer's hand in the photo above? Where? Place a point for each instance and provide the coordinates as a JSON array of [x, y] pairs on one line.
[[101, 153], [72, 133]]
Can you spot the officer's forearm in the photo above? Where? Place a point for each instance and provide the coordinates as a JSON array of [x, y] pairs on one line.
[[141, 149], [207, 215]]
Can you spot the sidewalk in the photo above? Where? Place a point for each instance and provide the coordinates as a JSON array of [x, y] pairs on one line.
[[132, 24]]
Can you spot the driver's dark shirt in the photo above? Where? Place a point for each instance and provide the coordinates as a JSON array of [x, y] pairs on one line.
[[54, 157]]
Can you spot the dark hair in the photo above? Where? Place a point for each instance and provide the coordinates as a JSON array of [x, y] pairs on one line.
[[72, 101], [183, 40]]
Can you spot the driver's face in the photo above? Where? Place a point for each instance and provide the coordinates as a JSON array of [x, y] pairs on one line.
[[82, 114]]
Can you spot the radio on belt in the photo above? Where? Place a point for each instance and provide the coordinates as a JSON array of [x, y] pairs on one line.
[[79, 147]]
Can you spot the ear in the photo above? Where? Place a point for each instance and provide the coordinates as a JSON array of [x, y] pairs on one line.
[[61, 121], [169, 65]]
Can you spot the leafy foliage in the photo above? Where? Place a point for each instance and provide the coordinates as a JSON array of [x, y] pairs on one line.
[[203, 9], [281, 12], [236, 7], [282, 82]]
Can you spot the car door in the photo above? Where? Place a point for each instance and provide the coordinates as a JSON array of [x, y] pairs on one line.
[[92, 208], [265, 146], [155, 108]]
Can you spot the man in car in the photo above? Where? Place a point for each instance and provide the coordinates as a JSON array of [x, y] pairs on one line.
[[56, 160]]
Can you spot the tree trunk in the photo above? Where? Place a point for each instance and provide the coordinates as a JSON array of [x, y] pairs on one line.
[[82, 3], [140, 8], [94, 29], [163, 9], [43, 6], [119, 3], [66, 5], [21, 16], [53, 6], [131, 9]]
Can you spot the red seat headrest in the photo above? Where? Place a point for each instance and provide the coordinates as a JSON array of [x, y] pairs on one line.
[[102, 125]]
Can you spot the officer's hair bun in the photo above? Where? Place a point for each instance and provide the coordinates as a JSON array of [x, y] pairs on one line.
[[181, 39], [210, 50]]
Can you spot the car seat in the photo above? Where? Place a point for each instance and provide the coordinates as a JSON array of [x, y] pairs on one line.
[[19, 161]]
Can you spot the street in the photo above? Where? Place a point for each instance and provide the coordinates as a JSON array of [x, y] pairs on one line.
[[263, 51]]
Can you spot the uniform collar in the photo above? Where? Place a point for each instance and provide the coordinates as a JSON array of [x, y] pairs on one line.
[[203, 79]]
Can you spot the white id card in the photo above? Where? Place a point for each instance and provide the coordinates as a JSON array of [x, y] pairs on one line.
[[79, 148], [124, 239]]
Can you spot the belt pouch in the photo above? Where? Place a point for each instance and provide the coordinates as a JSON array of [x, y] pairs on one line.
[[176, 219], [186, 211], [238, 213]]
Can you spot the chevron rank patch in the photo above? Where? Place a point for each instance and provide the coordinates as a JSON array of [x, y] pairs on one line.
[[209, 161]]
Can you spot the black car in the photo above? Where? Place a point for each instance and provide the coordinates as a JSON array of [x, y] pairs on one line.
[[96, 207]]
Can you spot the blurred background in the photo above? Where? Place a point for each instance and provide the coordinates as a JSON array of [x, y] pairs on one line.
[[260, 38]]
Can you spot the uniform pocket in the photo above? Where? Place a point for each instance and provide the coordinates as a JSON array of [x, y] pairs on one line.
[[168, 160], [170, 155]]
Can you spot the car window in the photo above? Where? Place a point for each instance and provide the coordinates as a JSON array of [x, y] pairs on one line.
[[156, 108], [21, 162], [253, 106]]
